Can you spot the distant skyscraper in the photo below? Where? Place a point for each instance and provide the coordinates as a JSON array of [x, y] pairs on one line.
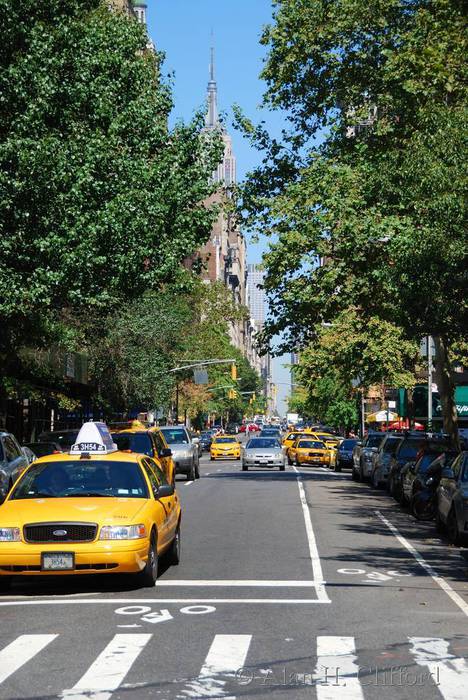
[[256, 295], [226, 171]]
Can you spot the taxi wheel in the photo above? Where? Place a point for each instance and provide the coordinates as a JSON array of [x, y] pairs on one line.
[[174, 550], [212, 459], [150, 572], [290, 461]]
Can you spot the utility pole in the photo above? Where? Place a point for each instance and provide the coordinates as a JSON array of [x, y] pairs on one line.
[[429, 382]]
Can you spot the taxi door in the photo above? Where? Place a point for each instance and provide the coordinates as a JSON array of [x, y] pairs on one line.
[[159, 511], [166, 462], [170, 503]]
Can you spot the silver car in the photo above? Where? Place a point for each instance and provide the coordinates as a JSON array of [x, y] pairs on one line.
[[382, 458], [263, 452], [13, 460], [184, 451]]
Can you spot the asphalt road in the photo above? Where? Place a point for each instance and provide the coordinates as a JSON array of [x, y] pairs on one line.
[[291, 585]]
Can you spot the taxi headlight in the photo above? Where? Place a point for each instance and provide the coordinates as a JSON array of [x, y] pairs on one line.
[[10, 534], [122, 532]]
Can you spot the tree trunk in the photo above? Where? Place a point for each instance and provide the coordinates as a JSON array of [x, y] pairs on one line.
[[446, 387]]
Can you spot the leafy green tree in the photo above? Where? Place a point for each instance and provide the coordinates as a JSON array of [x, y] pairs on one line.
[[99, 200], [381, 202]]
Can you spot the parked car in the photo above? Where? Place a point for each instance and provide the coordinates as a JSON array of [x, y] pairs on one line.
[[263, 452], [363, 455], [381, 458], [404, 456], [413, 477], [13, 460], [452, 503], [184, 452], [344, 455]]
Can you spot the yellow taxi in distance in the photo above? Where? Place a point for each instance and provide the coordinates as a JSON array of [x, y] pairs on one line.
[[136, 437], [291, 438], [308, 451], [92, 510], [224, 446], [331, 442]]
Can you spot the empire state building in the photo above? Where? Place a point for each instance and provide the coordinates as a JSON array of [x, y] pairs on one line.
[[226, 171]]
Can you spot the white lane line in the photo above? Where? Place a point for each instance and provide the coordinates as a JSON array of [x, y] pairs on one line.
[[175, 601], [448, 672], [110, 668], [337, 673], [446, 587], [187, 483], [238, 583], [226, 656], [317, 573], [20, 651]]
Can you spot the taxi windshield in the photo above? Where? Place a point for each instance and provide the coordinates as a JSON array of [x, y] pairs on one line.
[[224, 439], [314, 444], [81, 478]]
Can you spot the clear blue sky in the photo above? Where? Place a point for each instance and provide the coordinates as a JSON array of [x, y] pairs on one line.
[[182, 29]]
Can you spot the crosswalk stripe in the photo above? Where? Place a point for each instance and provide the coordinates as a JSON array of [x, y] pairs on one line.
[[20, 651], [337, 673], [226, 656], [107, 672], [448, 672]]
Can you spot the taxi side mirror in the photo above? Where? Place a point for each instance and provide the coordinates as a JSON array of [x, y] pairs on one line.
[[164, 491], [166, 452]]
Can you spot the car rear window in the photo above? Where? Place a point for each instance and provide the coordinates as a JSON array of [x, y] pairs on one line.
[[175, 435], [391, 445], [136, 442], [410, 448], [348, 444], [311, 444]]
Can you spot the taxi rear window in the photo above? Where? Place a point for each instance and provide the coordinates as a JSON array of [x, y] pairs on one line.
[[81, 478], [136, 442], [315, 444]]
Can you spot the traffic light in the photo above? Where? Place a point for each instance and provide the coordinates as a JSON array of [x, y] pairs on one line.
[[253, 397], [234, 372], [232, 394]]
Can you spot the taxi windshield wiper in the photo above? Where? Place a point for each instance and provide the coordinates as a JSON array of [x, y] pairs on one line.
[[81, 494]]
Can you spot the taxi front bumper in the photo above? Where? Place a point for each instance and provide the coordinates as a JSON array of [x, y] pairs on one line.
[[21, 559], [227, 453], [316, 459]]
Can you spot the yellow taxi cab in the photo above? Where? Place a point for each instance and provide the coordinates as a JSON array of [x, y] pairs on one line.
[[308, 450], [137, 437], [93, 510], [225, 446], [331, 442], [291, 438]]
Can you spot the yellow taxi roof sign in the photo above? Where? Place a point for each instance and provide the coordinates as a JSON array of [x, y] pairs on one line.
[[93, 438]]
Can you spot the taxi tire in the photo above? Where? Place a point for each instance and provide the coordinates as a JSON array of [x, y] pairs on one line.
[[174, 549], [149, 574]]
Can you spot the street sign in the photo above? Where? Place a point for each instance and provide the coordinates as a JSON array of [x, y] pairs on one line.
[[200, 376]]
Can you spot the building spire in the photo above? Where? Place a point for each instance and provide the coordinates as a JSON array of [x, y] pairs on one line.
[[212, 118]]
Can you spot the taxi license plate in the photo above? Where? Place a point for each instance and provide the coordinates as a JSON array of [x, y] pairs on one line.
[[58, 561]]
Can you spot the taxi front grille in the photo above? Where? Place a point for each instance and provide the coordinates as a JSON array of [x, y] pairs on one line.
[[60, 532]]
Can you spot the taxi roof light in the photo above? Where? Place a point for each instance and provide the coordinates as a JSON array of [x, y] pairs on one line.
[[93, 438]]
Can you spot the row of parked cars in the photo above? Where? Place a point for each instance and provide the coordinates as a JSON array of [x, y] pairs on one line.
[[423, 471]]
